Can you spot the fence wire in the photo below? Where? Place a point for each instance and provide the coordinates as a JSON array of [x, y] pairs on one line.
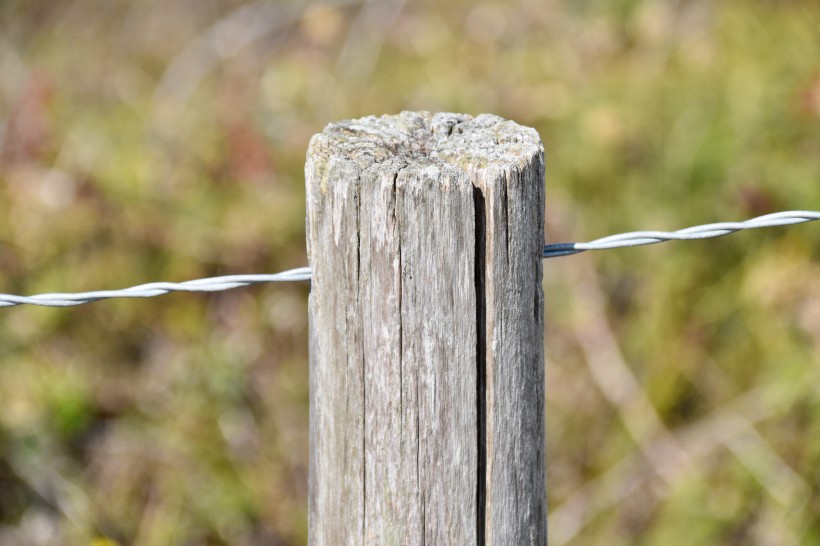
[[213, 284], [640, 238], [217, 284]]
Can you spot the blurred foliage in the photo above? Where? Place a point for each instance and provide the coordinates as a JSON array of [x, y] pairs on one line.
[[165, 139]]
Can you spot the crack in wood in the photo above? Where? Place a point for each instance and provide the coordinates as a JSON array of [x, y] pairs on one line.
[[481, 362]]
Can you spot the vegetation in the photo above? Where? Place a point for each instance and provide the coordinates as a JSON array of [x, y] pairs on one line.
[[165, 139]]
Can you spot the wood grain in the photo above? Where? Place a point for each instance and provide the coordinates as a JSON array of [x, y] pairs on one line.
[[425, 235]]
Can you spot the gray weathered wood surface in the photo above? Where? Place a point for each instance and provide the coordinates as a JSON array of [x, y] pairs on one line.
[[425, 235]]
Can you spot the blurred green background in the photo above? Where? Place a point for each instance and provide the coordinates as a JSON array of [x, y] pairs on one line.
[[165, 139]]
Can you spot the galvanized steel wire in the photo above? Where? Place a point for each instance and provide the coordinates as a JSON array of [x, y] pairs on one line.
[[213, 284], [217, 284], [640, 238]]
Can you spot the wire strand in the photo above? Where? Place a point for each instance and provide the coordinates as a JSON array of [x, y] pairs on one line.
[[213, 284], [640, 238], [217, 284]]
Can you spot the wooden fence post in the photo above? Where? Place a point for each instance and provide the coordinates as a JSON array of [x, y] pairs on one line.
[[425, 235]]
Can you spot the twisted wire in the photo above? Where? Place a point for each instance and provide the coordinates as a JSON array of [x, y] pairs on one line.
[[640, 238], [216, 284], [213, 284]]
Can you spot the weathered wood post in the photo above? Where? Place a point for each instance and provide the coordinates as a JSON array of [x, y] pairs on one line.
[[425, 235]]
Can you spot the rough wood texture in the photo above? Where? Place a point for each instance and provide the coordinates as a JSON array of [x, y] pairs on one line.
[[425, 235]]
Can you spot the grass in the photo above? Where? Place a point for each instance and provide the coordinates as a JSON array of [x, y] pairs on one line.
[[131, 151]]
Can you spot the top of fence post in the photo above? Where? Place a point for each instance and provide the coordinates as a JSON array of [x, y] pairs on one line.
[[425, 236]]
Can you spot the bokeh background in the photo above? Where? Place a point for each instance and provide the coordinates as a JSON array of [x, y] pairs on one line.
[[165, 139]]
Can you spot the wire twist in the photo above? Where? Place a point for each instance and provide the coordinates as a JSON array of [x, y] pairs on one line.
[[213, 284], [216, 284], [640, 238]]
